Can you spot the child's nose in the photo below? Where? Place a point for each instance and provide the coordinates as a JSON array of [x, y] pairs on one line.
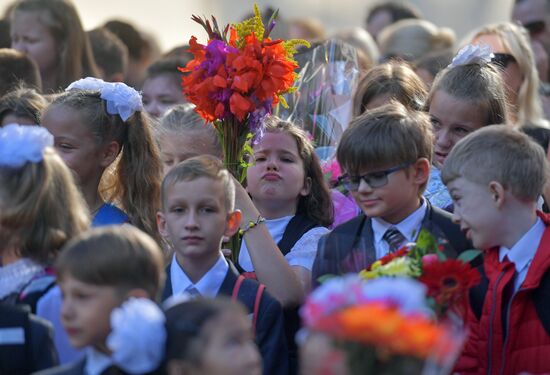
[[364, 187], [443, 138], [455, 218], [191, 221], [272, 164]]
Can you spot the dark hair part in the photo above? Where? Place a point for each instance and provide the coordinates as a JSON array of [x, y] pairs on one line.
[[501, 154], [434, 62], [111, 55], [166, 66], [120, 256], [135, 181], [538, 134], [397, 11], [75, 54], [185, 322], [23, 102], [479, 84], [385, 137], [133, 39], [317, 205], [395, 79], [17, 69]]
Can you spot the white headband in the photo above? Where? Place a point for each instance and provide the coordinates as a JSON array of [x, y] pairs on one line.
[[121, 99], [22, 144], [480, 54]]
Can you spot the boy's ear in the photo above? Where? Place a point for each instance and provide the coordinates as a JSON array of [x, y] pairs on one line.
[[497, 193], [233, 223], [109, 153], [307, 187], [421, 171], [161, 224]]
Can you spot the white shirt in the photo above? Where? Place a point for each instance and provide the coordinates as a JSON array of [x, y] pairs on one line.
[[523, 252], [208, 286], [96, 362], [409, 228], [302, 253]]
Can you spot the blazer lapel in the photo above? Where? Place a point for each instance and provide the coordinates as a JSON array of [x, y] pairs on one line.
[[167, 292]]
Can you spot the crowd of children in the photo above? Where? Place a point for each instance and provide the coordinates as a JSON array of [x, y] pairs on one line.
[[116, 208]]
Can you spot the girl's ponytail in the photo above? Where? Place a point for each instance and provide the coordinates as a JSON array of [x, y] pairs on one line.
[[139, 174]]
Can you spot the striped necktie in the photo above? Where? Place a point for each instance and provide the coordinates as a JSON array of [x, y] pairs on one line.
[[394, 238]]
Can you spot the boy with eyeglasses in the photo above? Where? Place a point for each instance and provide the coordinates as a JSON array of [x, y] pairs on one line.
[[386, 156]]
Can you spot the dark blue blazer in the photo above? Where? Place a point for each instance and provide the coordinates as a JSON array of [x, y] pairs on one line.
[[270, 334], [350, 246]]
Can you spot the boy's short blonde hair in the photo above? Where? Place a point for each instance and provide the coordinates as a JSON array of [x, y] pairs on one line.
[[501, 154], [119, 256], [385, 137], [196, 167]]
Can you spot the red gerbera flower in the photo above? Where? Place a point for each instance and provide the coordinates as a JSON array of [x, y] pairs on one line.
[[449, 281]]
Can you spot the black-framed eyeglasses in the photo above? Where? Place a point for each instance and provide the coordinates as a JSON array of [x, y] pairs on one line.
[[535, 27], [502, 59], [373, 179]]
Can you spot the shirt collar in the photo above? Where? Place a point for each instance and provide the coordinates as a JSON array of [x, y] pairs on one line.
[[409, 227], [96, 362], [523, 252], [209, 284]]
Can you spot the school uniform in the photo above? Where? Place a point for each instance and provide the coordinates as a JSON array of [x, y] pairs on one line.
[[355, 245], [93, 363], [221, 280], [26, 343]]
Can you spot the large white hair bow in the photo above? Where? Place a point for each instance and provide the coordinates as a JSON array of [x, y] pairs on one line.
[[121, 99], [20, 144]]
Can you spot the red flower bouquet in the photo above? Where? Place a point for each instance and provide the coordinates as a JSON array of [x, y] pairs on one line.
[[237, 78], [447, 280]]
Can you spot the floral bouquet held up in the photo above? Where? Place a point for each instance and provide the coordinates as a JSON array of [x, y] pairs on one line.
[[236, 79]]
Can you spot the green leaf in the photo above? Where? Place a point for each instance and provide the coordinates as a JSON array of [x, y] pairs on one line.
[[469, 255], [324, 278]]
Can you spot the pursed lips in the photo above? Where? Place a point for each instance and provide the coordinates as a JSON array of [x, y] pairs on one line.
[[271, 177]]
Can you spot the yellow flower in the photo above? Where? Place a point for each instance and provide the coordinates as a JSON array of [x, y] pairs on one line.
[[397, 267]]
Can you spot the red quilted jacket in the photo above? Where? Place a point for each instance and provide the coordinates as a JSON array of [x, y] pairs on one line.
[[527, 345]]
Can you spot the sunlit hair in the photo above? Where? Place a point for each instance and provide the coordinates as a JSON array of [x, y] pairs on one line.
[[182, 119], [317, 205], [194, 168], [411, 39], [61, 18], [516, 40], [23, 103], [478, 84], [501, 154], [394, 79], [385, 137], [133, 181], [40, 208], [119, 256], [17, 69]]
